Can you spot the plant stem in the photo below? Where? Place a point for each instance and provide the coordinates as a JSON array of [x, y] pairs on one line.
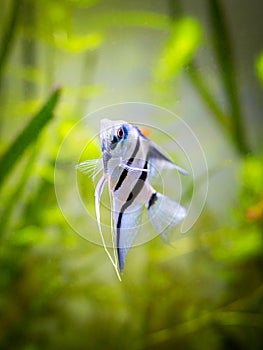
[[207, 97], [198, 81], [9, 31], [29, 46], [223, 50]]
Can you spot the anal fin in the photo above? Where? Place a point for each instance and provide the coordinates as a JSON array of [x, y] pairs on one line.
[[164, 214]]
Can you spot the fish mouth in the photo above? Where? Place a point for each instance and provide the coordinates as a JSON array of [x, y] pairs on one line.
[[107, 127], [105, 135]]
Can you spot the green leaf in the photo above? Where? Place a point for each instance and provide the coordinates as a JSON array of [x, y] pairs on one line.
[[186, 37], [252, 175], [77, 43], [84, 3], [27, 136], [119, 19], [259, 68]]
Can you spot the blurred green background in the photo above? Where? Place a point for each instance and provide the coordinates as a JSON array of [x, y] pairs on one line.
[[60, 60]]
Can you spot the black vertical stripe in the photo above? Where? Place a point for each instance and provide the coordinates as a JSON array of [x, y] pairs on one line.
[[130, 161], [132, 195], [152, 200]]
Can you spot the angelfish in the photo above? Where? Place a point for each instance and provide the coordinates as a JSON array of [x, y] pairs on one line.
[[130, 160]]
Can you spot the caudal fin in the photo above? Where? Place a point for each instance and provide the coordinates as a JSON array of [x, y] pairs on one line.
[[164, 214]]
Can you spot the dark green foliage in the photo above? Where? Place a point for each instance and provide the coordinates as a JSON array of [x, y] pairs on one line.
[[8, 33], [224, 53], [29, 135]]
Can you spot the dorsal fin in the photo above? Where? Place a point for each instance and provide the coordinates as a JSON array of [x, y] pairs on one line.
[[160, 161]]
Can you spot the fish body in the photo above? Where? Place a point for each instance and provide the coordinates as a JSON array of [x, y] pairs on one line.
[[130, 160]]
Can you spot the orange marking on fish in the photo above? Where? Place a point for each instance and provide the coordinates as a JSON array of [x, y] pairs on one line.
[[145, 132]]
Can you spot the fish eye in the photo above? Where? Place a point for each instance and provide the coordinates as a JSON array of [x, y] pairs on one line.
[[120, 133]]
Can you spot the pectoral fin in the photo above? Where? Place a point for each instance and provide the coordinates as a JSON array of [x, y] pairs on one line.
[[90, 167]]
